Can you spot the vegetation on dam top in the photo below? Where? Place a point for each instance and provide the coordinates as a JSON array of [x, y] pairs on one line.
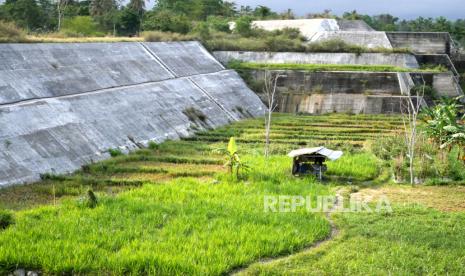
[[238, 65]]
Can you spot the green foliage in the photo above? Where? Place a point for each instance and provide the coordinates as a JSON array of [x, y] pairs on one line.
[[9, 32], [203, 31], [316, 67], [233, 161], [115, 152], [6, 219], [128, 22], [166, 21], [153, 145], [244, 26], [219, 24], [91, 200], [80, 26]]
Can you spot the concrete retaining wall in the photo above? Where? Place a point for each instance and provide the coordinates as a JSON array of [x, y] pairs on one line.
[[336, 82], [422, 43], [73, 102], [341, 102], [400, 60]]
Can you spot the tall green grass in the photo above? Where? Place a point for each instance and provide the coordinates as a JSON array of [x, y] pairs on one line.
[[184, 227], [413, 240], [361, 166]]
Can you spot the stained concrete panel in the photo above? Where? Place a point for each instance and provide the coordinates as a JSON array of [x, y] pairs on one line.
[[336, 82], [400, 60], [31, 71], [184, 58]]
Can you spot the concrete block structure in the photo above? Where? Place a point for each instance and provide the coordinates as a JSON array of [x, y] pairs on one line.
[[65, 105], [356, 92]]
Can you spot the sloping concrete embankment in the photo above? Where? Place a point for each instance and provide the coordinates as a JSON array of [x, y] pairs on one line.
[[399, 60], [64, 105]]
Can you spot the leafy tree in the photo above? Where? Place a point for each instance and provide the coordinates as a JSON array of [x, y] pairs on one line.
[[105, 13], [128, 22], [25, 13], [263, 12], [244, 26], [166, 21]]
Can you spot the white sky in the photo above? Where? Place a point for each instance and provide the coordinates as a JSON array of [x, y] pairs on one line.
[[408, 9]]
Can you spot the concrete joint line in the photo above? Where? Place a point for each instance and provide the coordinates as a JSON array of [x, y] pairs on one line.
[[158, 59], [229, 114]]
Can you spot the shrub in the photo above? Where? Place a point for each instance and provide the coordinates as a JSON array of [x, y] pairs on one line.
[[153, 146], [194, 114], [244, 26], [6, 219], [80, 26], [202, 30], [156, 36], [283, 43], [115, 152], [9, 32], [334, 46], [218, 24]]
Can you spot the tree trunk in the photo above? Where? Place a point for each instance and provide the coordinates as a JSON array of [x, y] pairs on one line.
[[267, 133]]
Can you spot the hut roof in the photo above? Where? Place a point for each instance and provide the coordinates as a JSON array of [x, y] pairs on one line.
[[330, 154]]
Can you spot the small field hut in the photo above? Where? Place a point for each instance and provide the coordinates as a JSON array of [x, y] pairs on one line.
[[308, 161]]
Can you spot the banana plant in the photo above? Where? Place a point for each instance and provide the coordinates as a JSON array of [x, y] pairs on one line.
[[444, 125], [233, 161]]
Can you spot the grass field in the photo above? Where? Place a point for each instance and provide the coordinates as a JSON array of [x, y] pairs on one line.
[[174, 209]]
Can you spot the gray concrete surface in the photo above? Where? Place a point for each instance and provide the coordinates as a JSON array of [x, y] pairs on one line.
[[60, 129], [353, 25], [421, 43], [400, 60], [368, 39]]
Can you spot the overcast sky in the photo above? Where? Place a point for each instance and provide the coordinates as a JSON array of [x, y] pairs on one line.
[[408, 9]]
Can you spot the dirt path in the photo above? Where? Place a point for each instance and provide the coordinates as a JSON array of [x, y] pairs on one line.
[[334, 232]]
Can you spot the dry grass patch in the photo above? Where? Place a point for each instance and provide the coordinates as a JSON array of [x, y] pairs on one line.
[[444, 198]]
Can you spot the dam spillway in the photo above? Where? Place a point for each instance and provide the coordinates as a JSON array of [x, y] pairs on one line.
[[65, 105]]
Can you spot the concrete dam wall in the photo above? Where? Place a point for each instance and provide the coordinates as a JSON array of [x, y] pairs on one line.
[[421, 43], [354, 92], [65, 105], [400, 60]]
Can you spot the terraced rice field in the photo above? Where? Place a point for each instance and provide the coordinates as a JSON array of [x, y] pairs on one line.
[[196, 156], [174, 209]]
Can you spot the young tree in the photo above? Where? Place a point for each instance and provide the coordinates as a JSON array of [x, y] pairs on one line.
[[269, 89], [410, 106], [61, 6]]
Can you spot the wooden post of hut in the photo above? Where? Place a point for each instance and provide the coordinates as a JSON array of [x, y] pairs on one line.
[[309, 161]]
